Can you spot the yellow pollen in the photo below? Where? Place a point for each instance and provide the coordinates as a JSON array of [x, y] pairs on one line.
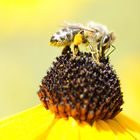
[[78, 39]]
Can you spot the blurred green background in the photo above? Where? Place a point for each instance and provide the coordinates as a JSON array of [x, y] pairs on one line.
[[25, 56]]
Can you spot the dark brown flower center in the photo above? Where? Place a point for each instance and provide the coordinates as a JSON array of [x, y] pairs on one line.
[[78, 87]]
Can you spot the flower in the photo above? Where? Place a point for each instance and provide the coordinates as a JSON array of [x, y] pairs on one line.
[[37, 123], [63, 119]]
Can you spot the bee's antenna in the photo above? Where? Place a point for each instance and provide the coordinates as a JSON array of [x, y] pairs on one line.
[[114, 48]]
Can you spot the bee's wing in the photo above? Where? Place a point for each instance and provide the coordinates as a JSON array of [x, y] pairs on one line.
[[77, 26], [98, 27], [73, 25]]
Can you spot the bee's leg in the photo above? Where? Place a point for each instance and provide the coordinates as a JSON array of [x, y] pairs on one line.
[[66, 49], [100, 47], [95, 54], [76, 50], [95, 57]]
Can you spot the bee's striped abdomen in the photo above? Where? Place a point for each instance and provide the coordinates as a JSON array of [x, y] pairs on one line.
[[63, 37]]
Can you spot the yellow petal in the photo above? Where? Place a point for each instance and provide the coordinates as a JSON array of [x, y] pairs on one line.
[[64, 130], [132, 127], [102, 131], [105, 129], [85, 132], [27, 125], [119, 131]]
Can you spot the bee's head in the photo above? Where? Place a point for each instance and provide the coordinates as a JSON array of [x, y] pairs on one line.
[[109, 38], [106, 39]]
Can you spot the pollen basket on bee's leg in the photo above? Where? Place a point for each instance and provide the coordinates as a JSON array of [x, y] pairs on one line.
[[78, 87]]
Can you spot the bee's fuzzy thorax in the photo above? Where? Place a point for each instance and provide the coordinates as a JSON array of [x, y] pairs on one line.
[[78, 87]]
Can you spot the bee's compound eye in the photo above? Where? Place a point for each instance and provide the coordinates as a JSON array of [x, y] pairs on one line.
[[106, 39]]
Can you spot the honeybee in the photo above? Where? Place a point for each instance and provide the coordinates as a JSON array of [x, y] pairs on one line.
[[95, 36]]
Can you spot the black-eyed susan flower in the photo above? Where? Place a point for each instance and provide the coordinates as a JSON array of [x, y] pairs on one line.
[[82, 100]]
